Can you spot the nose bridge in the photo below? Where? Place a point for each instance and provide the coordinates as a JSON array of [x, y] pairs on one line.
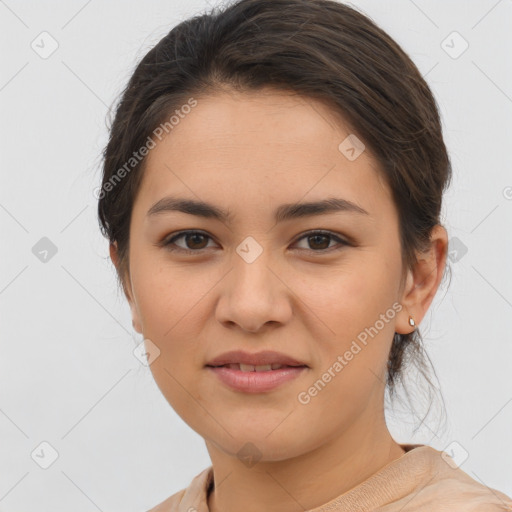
[[251, 267], [253, 293]]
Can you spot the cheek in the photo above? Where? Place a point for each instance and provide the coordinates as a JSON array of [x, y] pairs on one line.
[[356, 304], [350, 297], [165, 293], [169, 305]]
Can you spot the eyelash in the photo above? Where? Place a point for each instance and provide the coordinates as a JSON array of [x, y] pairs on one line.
[[167, 243]]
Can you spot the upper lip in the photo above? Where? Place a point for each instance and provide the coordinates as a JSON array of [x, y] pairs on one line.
[[256, 359]]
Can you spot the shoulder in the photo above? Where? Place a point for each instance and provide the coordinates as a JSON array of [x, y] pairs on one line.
[[170, 504], [446, 487], [190, 499], [463, 494]]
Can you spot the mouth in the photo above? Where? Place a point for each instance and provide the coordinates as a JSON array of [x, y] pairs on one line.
[[247, 378], [255, 368], [255, 372], [266, 360]]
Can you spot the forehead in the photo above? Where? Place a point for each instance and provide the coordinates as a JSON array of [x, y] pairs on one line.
[[266, 144], [257, 119]]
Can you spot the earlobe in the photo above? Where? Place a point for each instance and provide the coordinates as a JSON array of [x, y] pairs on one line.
[[133, 306], [127, 290], [407, 319], [135, 322], [113, 253]]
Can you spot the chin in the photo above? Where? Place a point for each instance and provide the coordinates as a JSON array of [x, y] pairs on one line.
[[253, 447]]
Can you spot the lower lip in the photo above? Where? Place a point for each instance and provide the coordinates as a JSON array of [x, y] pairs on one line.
[[256, 382]]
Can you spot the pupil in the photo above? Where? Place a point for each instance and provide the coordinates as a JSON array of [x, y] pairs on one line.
[[325, 237], [195, 236]]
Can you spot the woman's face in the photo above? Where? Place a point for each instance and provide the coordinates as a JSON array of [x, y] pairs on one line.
[[256, 283]]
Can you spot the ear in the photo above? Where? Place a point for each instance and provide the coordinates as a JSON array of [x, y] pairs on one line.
[[423, 281], [127, 288]]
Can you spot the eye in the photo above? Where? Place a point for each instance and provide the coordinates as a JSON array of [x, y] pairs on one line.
[[195, 238], [320, 240], [195, 241]]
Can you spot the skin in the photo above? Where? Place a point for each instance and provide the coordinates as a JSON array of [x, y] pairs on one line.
[[249, 153]]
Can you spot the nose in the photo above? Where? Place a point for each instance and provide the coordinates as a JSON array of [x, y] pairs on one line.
[[254, 296]]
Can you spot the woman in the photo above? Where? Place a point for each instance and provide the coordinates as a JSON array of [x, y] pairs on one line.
[[272, 192]]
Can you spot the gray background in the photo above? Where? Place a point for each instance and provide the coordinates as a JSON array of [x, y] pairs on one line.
[[68, 375]]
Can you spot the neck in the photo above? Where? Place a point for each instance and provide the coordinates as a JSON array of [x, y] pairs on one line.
[[306, 481]]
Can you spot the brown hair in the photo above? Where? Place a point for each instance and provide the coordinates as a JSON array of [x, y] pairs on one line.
[[320, 49]]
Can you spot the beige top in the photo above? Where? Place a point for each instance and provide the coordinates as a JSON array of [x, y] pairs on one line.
[[421, 480]]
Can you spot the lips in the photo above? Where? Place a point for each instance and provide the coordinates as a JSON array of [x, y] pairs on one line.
[[260, 361], [255, 381], [253, 368]]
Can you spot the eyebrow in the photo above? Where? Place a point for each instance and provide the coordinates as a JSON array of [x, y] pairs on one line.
[[282, 213]]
